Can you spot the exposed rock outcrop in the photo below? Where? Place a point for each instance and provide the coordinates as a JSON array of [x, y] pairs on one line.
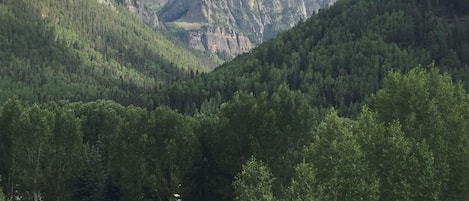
[[218, 40], [141, 11], [229, 26]]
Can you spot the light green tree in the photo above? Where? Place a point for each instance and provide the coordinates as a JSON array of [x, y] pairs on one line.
[[254, 182], [303, 185], [432, 110], [340, 165], [405, 168]]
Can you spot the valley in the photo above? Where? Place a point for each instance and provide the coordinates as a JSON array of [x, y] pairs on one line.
[[363, 100]]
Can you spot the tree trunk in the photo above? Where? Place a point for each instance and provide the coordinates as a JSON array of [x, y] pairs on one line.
[[36, 196]]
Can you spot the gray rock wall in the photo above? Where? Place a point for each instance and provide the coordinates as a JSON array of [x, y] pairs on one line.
[[231, 26], [138, 8]]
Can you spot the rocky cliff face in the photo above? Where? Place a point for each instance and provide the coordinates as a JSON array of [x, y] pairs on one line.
[[141, 11], [232, 26], [219, 40]]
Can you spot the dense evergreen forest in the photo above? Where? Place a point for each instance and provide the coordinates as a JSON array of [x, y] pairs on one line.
[[85, 50], [366, 100], [340, 55]]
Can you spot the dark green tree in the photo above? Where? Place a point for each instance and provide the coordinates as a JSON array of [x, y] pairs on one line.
[[33, 136], [171, 149], [10, 113], [2, 196], [66, 154], [127, 153]]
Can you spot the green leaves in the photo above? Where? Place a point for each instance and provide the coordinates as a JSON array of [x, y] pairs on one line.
[[254, 182], [2, 196], [303, 186], [44, 147], [171, 151], [84, 51], [405, 168], [341, 169], [410, 143], [398, 150], [33, 134], [432, 111], [127, 153]]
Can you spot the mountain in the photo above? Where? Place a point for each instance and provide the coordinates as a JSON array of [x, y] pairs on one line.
[[142, 12], [340, 56], [87, 50], [338, 59], [231, 27], [337, 108]]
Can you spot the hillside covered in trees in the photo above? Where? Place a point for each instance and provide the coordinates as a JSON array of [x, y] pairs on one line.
[[85, 50], [366, 100], [340, 55]]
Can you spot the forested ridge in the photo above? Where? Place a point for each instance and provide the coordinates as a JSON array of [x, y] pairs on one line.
[[366, 100], [340, 55], [86, 50]]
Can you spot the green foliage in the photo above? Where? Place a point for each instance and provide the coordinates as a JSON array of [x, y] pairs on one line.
[[95, 151], [67, 153], [435, 113], [2, 196], [44, 150], [340, 56], [272, 128], [104, 151], [11, 111], [128, 151], [85, 50], [33, 133], [89, 184], [303, 185], [342, 172], [254, 182], [405, 168], [172, 149], [410, 142]]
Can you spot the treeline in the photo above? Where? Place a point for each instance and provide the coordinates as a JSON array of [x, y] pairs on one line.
[[95, 151], [406, 144], [410, 142], [339, 56], [85, 50]]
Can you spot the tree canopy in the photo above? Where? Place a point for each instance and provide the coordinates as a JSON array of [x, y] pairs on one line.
[[342, 107]]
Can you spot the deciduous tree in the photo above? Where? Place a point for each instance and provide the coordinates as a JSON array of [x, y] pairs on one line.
[[254, 182]]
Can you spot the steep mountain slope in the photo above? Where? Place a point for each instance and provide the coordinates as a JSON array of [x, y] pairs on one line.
[[141, 11], [339, 56], [234, 26], [85, 50]]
